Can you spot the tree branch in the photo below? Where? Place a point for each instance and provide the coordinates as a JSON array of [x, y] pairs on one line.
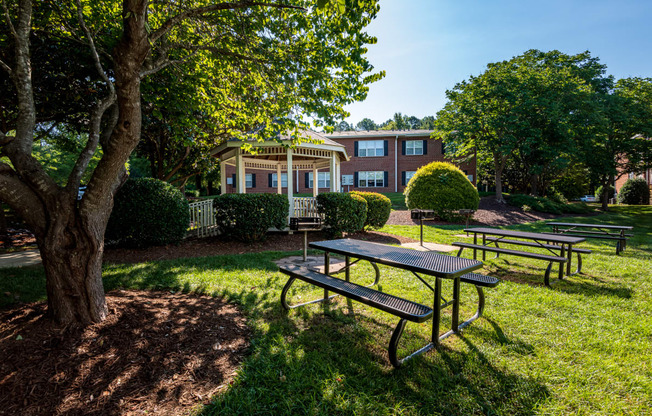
[[21, 199], [170, 23], [12, 29], [6, 67], [91, 44]]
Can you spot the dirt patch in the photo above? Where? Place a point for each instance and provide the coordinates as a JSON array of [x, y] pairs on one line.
[[157, 352], [490, 213], [213, 246]]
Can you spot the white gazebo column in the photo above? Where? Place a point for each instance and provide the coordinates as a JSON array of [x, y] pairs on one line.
[[338, 175], [239, 173], [315, 180], [290, 183], [279, 182], [333, 172], [222, 177]]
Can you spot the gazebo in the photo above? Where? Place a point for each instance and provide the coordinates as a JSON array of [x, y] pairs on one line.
[[315, 153]]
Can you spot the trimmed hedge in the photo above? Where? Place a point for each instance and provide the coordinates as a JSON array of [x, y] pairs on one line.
[[634, 192], [342, 213], [378, 209], [442, 187], [541, 204], [148, 212], [247, 217]]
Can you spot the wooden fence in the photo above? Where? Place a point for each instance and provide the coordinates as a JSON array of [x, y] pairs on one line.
[[305, 207]]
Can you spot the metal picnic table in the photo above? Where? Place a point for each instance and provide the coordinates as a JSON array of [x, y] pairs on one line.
[[419, 263], [566, 243], [599, 231]]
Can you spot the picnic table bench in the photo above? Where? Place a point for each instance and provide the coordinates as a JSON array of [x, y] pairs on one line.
[[597, 231], [430, 263], [560, 251]]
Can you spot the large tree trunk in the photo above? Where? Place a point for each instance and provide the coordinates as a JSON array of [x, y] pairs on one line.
[[72, 248], [534, 183], [499, 165], [3, 221]]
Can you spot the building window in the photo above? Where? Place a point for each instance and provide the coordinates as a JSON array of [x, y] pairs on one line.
[[249, 180], [229, 181], [409, 175], [347, 180], [368, 148], [284, 180], [470, 178], [371, 179], [323, 180], [414, 147]]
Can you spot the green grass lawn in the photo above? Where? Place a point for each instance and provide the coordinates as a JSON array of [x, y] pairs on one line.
[[583, 346], [398, 200]]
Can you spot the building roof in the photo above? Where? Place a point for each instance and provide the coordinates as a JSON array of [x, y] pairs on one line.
[[377, 133]]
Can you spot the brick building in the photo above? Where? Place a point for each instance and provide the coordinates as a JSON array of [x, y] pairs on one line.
[[378, 161]]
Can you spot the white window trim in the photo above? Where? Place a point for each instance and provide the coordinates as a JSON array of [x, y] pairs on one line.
[[375, 179], [323, 178], [249, 180], [412, 145], [376, 145], [284, 180]]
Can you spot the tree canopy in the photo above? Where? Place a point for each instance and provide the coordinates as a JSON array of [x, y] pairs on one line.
[[204, 71]]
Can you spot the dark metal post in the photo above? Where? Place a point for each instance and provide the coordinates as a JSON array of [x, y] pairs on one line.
[[305, 246], [327, 271], [475, 242], [456, 304], [436, 315], [347, 264], [484, 243], [421, 226], [570, 259]]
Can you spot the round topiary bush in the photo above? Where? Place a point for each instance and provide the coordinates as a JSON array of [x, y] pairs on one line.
[[148, 212], [378, 209], [634, 192], [442, 187], [248, 217], [342, 213]]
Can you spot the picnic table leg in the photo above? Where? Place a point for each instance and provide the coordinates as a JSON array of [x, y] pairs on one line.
[[327, 271], [347, 264], [475, 242], [561, 265], [436, 315], [455, 319], [421, 227], [570, 260], [484, 243]]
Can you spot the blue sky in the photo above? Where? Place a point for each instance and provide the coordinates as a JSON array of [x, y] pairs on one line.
[[427, 46]]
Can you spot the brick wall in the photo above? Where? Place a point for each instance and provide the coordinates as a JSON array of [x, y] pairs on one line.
[[405, 163]]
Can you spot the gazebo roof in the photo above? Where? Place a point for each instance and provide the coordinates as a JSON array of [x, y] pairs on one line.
[[271, 154], [316, 141]]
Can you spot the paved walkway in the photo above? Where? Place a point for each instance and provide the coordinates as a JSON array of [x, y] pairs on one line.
[[20, 259]]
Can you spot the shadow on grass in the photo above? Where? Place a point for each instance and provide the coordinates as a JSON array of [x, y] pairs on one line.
[[329, 361]]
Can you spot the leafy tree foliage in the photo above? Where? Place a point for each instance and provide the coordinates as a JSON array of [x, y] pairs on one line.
[[85, 65], [366, 124], [533, 106]]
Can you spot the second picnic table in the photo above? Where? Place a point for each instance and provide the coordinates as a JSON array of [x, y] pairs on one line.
[[600, 231], [550, 242]]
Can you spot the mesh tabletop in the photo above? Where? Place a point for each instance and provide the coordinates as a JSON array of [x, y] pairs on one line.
[[426, 262], [582, 225], [554, 238]]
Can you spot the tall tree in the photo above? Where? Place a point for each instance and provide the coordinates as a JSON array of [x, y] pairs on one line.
[[294, 57], [536, 104], [366, 124]]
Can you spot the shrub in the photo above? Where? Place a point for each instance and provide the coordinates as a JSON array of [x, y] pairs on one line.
[[555, 196], [343, 213], [247, 217], [443, 188], [634, 192], [542, 204], [378, 209], [148, 212], [601, 190]]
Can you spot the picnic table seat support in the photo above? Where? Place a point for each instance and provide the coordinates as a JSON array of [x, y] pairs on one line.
[[551, 259], [406, 310], [579, 251]]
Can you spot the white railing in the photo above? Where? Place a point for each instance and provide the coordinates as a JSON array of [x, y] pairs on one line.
[[202, 218], [305, 207]]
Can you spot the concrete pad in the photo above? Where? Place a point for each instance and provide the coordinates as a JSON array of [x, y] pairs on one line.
[[442, 248], [315, 263], [20, 259]]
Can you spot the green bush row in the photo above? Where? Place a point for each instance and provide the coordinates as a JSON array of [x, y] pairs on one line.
[[541, 204], [378, 209], [342, 213], [147, 212], [247, 217]]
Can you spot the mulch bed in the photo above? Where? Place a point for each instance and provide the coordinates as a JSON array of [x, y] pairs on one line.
[[17, 238], [213, 246], [156, 353]]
